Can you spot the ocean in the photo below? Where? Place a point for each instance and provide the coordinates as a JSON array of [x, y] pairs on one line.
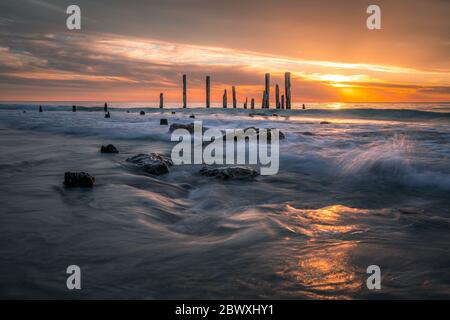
[[371, 187]]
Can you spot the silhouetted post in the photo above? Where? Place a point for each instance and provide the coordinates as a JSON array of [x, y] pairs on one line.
[[267, 90], [208, 91], [252, 103], [74, 108], [234, 97], [287, 84], [277, 96], [161, 100], [303, 107], [224, 99], [105, 108], [184, 92], [282, 101], [263, 100], [245, 103], [40, 109]]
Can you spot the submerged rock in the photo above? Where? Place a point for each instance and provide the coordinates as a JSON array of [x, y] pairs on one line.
[[227, 173], [78, 179], [173, 112], [325, 122], [153, 163], [142, 113], [192, 116], [189, 127], [163, 122], [109, 149], [107, 115]]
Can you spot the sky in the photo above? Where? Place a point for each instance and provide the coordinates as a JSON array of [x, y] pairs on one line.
[[133, 50]]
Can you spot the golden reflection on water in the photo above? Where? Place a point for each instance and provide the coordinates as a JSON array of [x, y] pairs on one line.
[[322, 268]]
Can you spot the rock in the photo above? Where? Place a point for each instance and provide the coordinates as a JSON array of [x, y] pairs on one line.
[[153, 163], [142, 113], [173, 112], [107, 115], [325, 122], [163, 122], [109, 149], [192, 116], [227, 173], [78, 179], [128, 111]]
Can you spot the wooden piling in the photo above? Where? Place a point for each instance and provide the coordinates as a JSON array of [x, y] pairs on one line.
[[184, 92], [245, 103], [105, 108], [252, 103], [208, 91], [287, 84], [161, 100], [234, 97], [267, 90], [282, 101], [277, 96], [224, 99]]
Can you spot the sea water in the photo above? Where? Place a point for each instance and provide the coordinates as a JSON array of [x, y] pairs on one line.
[[370, 188]]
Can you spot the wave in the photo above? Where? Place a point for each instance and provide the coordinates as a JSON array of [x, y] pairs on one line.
[[361, 113]]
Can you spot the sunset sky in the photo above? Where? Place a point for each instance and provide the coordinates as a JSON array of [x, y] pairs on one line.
[[133, 50]]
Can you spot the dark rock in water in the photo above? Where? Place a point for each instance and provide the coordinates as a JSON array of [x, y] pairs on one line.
[[128, 111], [78, 179], [189, 127], [227, 173], [107, 115], [173, 112], [40, 109], [325, 122], [153, 163], [307, 133], [192, 116], [74, 108], [163, 122], [109, 149], [142, 113], [24, 111]]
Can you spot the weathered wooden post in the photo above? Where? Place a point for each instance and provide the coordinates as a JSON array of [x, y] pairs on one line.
[[245, 103], [208, 91], [267, 90], [74, 108], [184, 92], [277, 96], [263, 100], [282, 101], [287, 84], [105, 108], [161, 100], [252, 103], [40, 109], [224, 99], [234, 97]]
